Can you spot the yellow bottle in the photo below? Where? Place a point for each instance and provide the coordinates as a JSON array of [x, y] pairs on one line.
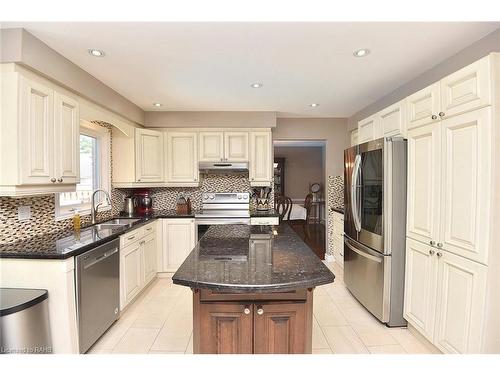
[[76, 221]]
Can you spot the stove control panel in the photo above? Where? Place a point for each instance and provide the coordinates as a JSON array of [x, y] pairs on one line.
[[226, 198]]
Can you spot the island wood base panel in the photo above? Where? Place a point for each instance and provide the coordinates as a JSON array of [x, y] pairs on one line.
[[239, 323]]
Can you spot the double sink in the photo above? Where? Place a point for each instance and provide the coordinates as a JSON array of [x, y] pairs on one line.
[[114, 224]]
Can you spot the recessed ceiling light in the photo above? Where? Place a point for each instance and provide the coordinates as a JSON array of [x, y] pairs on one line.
[[96, 52], [361, 52], [313, 105], [256, 85], [157, 104]]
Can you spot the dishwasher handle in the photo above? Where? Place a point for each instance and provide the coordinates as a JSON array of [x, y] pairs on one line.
[[100, 258]]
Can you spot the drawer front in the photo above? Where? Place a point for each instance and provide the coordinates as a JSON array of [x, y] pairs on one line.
[[131, 237], [148, 229], [207, 295], [264, 221]]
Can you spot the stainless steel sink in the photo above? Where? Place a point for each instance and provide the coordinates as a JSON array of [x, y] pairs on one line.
[[114, 224]]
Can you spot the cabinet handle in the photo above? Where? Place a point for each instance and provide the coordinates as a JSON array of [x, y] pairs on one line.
[[246, 310], [138, 180], [131, 238], [439, 254], [432, 243], [441, 114], [52, 180], [60, 180], [148, 229], [434, 117], [260, 311], [431, 252], [440, 245]]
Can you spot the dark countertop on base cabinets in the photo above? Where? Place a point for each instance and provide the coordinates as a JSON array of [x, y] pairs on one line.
[[252, 259]]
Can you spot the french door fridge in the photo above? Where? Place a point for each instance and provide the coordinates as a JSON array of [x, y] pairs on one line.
[[375, 226]]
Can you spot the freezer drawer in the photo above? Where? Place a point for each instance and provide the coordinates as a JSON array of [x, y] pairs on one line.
[[367, 276]]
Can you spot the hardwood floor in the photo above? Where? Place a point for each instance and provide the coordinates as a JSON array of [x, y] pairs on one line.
[[313, 236]]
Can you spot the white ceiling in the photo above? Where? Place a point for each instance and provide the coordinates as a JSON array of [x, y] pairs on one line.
[[210, 66]]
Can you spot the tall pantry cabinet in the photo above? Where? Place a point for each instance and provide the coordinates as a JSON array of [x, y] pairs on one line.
[[453, 202]]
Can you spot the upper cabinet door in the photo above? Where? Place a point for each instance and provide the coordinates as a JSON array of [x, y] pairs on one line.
[[211, 146], [261, 163], [467, 89], [354, 137], [36, 133], [182, 157], [424, 179], [369, 129], [420, 287], [423, 107], [460, 305], [392, 120], [149, 155], [466, 182], [66, 139], [236, 146]]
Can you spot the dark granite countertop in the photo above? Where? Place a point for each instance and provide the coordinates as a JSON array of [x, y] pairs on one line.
[[269, 213], [337, 209], [252, 259], [65, 244]]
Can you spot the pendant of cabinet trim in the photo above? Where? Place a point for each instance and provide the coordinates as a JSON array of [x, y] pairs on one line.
[[41, 154]]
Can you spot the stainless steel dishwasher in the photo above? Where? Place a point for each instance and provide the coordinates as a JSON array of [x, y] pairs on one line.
[[97, 292]]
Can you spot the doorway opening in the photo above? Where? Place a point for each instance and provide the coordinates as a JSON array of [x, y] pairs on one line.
[[300, 178]]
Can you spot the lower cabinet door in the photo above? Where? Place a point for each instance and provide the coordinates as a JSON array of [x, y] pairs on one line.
[[131, 275], [280, 328], [420, 287], [179, 238], [149, 258], [226, 328], [460, 307]]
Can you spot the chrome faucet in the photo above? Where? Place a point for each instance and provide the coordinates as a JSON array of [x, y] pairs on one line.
[[93, 208]]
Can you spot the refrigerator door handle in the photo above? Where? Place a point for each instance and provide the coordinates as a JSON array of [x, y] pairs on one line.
[[354, 193], [362, 253]]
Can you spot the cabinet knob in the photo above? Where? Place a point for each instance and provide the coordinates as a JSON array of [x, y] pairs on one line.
[[52, 180], [60, 180], [434, 117], [246, 310], [260, 311], [432, 243], [439, 254], [431, 252], [441, 114], [440, 245]]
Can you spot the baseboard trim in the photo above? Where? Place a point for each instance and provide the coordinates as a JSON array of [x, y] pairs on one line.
[[433, 349]]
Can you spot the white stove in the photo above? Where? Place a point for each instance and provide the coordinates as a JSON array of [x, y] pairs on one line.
[[224, 208]]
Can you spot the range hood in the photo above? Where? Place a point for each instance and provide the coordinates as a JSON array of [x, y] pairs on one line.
[[223, 166]]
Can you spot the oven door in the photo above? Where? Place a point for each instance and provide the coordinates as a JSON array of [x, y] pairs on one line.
[[368, 199]]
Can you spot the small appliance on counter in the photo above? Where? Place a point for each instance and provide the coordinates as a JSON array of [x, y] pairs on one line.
[[129, 205], [143, 201]]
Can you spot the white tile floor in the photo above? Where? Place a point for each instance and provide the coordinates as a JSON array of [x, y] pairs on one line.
[[160, 322]]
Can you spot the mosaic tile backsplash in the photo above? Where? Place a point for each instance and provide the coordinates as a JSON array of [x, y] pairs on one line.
[[335, 191]]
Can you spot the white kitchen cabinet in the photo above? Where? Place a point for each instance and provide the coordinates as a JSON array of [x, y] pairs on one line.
[[420, 287], [369, 129], [424, 183], [261, 158], [392, 120], [211, 146], [466, 89], [149, 254], [338, 238], [423, 107], [461, 289], [235, 146], [36, 133], [179, 238], [149, 156], [131, 272], [67, 139], [466, 184], [354, 137], [182, 158]]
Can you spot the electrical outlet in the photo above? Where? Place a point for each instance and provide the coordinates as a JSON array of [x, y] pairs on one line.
[[24, 213]]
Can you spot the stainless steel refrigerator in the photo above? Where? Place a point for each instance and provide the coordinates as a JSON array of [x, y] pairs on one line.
[[375, 226]]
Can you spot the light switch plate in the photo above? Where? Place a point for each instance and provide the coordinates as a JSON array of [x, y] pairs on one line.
[[24, 213]]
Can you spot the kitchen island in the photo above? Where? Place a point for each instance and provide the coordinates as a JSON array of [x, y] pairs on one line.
[[252, 290]]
